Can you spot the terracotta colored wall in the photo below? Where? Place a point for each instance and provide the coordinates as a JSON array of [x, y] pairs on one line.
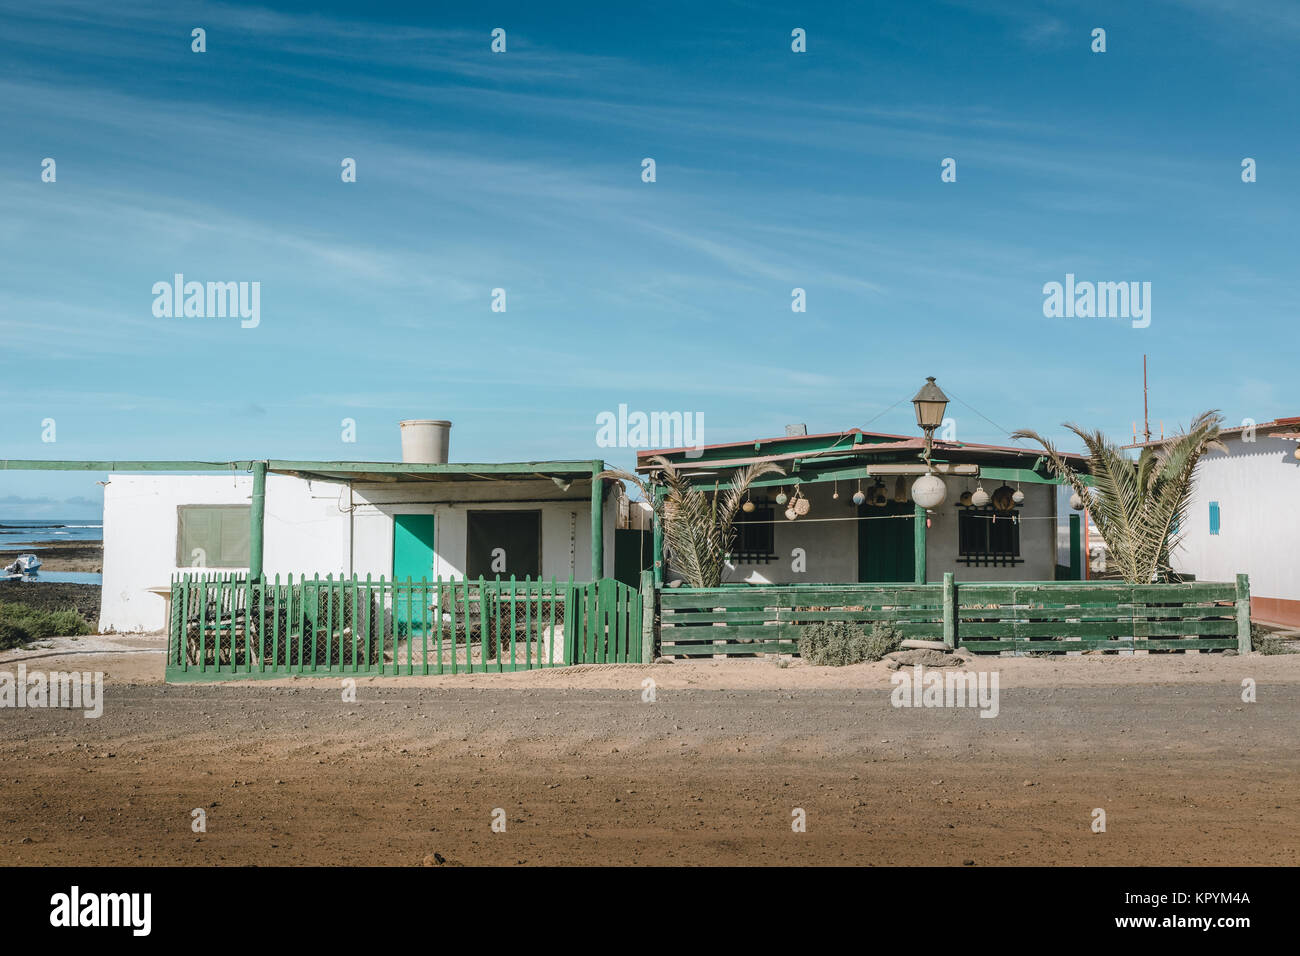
[[1275, 610]]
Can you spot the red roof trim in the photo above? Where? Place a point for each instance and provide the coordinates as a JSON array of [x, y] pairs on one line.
[[1275, 423]]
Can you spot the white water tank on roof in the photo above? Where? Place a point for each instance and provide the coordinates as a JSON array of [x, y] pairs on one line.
[[425, 441]]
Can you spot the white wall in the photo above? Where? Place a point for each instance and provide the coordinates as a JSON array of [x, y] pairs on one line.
[[831, 547], [1257, 487], [305, 531], [566, 524], [1037, 536], [314, 527]]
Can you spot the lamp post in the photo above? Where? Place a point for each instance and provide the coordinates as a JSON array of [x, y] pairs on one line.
[[928, 490], [930, 403]]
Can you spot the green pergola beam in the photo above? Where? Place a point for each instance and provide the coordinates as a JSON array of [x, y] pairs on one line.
[[1027, 476], [20, 464], [1076, 550], [513, 469], [850, 473], [597, 522], [918, 544], [658, 539], [257, 522]]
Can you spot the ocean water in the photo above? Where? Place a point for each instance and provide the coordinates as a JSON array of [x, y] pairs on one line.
[[19, 533], [61, 577]]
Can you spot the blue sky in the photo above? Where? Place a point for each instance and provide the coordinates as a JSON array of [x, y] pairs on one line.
[[522, 171]]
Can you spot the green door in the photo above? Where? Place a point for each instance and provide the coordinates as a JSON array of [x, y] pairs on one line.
[[412, 547], [886, 550], [412, 557]]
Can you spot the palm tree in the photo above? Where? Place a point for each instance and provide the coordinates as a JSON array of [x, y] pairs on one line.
[[1138, 505], [697, 527]]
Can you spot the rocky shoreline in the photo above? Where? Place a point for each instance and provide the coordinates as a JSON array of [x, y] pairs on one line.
[[53, 596], [86, 556]]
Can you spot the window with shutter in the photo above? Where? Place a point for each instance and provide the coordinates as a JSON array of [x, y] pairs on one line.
[[212, 536]]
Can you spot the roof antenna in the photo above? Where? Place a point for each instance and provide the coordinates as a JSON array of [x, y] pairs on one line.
[[1146, 422]]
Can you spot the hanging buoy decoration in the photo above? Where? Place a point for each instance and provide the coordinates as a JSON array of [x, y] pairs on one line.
[[782, 498], [964, 499], [858, 496], [928, 491], [835, 495], [1076, 502], [1019, 497], [981, 497], [747, 507], [791, 514], [1004, 499], [802, 506], [878, 496]]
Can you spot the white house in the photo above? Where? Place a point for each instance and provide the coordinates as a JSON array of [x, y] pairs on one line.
[[1245, 517], [417, 519], [997, 520]]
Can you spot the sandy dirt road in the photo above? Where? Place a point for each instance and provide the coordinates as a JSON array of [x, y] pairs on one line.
[[1186, 772]]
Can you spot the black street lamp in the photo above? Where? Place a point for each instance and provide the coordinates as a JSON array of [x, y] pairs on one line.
[[930, 403]]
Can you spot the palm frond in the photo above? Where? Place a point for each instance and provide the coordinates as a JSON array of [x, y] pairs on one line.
[[697, 525], [1138, 505]]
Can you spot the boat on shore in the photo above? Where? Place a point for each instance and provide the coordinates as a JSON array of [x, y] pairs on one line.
[[22, 565]]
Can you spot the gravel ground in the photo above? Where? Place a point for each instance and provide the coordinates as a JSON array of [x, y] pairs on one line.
[[1187, 774]]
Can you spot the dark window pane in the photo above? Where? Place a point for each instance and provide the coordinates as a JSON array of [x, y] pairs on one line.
[[755, 535], [502, 543], [987, 534]]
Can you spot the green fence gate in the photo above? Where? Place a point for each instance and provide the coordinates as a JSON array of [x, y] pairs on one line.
[[1015, 617], [224, 626]]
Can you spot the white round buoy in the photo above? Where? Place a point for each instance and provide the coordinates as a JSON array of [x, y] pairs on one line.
[[928, 491]]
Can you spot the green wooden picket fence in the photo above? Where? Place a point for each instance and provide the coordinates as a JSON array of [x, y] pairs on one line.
[[1015, 617], [224, 626]]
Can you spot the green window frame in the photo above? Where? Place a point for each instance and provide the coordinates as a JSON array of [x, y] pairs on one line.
[[213, 536]]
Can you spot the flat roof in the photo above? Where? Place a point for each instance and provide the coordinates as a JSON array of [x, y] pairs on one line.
[[374, 471]]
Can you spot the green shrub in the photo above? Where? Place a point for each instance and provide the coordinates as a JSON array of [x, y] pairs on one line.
[[20, 624], [11, 635], [1270, 645], [883, 639], [837, 643], [1263, 641]]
